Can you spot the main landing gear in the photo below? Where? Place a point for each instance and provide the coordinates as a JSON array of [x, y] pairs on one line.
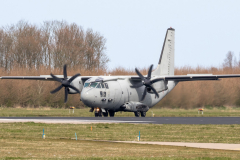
[[105, 114], [138, 113], [111, 113]]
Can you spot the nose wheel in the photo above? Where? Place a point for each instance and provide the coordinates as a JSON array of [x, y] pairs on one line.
[[98, 112]]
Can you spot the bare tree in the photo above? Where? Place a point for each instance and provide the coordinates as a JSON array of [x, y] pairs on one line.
[[229, 60], [53, 44]]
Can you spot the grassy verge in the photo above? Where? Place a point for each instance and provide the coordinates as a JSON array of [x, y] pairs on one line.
[[163, 112], [23, 140]]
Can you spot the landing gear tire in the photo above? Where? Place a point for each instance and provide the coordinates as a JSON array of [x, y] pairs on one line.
[[98, 114], [137, 114], [143, 114], [111, 113], [105, 114]]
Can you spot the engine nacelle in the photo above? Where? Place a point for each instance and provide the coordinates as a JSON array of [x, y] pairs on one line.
[[134, 107], [159, 86], [78, 83]]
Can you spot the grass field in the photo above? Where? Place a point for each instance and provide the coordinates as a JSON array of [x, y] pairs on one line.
[[163, 112], [24, 140]]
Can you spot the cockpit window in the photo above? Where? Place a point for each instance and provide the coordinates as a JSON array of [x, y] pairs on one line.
[[102, 84], [106, 85], [86, 85], [93, 84], [98, 86]]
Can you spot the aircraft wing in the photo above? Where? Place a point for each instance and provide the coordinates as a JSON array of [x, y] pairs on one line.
[[190, 77], [41, 77], [199, 77], [46, 78]]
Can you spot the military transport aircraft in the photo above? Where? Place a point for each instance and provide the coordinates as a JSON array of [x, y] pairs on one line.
[[106, 95]]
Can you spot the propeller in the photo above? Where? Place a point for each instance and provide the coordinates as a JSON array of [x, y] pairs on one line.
[[65, 83], [147, 82]]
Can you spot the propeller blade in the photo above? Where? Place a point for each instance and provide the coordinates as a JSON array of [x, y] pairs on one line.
[[144, 94], [57, 89], [56, 78], [74, 88], [65, 71], [65, 83], [156, 80], [73, 77], [150, 71], [66, 94], [139, 74], [153, 89], [137, 85]]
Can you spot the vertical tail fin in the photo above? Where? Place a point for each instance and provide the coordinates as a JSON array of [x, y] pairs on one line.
[[166, 61]]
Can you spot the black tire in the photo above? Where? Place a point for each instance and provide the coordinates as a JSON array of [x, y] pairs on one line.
[[137, 114], [143, 114], [105, 114], [111, 113], [98, 114]]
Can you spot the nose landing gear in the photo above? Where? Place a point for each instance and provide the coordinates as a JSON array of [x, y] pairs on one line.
[[98, 112], [103, 112]]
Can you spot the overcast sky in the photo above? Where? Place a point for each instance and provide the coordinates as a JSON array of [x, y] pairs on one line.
[[205, 29]]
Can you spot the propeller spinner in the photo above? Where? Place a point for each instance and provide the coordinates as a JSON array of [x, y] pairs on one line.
[[65, 83], [147, 82]]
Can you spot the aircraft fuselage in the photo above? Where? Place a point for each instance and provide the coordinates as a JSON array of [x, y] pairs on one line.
[[111, 95]]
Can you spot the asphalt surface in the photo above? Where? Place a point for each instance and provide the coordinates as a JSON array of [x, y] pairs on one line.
[[153, 120]]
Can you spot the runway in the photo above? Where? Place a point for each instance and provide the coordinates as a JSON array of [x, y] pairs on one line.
[[146, 120]]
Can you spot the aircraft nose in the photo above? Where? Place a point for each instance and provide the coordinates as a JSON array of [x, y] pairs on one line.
[[85, 97]]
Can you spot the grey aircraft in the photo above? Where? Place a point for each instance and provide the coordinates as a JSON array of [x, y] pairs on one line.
[[106, 95]]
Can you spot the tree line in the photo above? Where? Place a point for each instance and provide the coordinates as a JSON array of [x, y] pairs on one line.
[[52, 44], [24, 93]]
